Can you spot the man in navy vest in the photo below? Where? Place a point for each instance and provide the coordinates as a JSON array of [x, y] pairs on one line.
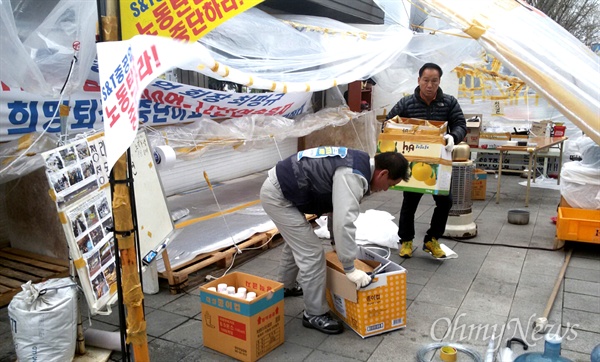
[[317, 181]]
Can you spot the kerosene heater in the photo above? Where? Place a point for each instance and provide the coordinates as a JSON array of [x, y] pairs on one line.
[[460, 220]]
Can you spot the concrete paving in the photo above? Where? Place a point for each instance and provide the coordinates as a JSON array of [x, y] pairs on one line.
[[500, 284]]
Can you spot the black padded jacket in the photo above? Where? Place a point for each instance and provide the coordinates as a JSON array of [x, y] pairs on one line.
[[443, 108]]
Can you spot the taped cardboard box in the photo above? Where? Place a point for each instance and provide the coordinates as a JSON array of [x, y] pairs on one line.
[[245, 330], [479, 184], [375, 309], [430, 163]]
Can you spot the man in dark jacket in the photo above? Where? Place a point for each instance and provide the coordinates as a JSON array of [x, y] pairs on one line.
[[318, 181], [430, 103]]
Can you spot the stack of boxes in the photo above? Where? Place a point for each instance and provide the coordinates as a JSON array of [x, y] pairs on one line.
[[422, 143]]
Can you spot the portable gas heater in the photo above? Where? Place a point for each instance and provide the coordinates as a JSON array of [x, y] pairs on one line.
[[460, 219]]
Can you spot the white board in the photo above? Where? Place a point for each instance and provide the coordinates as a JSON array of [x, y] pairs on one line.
[[153, 216]]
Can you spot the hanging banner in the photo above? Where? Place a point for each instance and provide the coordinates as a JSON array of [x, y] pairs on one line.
[[187, 20], [127, 67], [163, 103]]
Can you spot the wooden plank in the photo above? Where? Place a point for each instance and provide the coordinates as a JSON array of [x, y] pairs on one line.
[[10, 282], [26, 268], [179, 275], [44, 258], [15, 274], [18, 266], [5, 298], [29, 261]]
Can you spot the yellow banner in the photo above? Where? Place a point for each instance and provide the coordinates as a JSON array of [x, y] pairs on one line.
[[186, 20]]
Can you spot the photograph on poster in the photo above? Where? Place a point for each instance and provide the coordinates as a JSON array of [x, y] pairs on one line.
[[83, 151], [85, 244], [54, 162], [75, 175], [88, 169], [97, 235], [68, 155], [106, 254], [71, 172], [110, 274], [94, 263], [100, 285], [91, 215], [107, 225], [103, 208], [60, 183], [78, 225]]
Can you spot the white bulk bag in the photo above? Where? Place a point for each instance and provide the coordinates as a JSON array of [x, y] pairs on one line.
[[43, 319]]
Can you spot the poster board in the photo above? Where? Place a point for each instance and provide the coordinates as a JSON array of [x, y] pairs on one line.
[[153, 216], [84, 210], [78, 177]]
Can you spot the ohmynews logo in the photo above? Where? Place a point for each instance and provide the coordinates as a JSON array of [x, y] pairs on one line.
[[457, 331]]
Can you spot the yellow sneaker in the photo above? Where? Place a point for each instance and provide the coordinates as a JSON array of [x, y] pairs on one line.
[[406, 249], [433, 247]]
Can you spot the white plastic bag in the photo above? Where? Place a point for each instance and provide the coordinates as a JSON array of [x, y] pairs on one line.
[[43, 319], [580, 180], [372, 227]]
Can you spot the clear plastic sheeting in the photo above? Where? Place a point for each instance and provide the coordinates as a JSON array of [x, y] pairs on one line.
[[22, 156], [303, 49], [447, 49], [205, 230], [39, 41], [567, 79], [252, 132]]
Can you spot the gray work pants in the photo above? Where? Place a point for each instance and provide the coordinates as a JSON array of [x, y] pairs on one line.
[[303, 254]]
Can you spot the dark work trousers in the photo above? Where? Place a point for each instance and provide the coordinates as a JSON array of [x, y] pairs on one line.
[[406, 225]]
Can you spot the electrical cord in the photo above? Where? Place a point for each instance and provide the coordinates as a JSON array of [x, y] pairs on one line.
[[49, 123]]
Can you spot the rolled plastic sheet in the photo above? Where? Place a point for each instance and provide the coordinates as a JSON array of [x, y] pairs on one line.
[[103, 339]]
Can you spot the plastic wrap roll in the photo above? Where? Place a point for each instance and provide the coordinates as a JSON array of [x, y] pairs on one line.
[[103, 339], [164, 157]]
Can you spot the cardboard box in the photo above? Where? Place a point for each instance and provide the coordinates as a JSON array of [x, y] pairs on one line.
[[375, 309], [245, 330], [398, 125], [431, 164], [474, 123], [479, 184], [491, 140], [563, 202]]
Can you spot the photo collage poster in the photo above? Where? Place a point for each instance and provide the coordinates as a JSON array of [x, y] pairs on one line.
[[91, 222], [73, 174], [71, 171]]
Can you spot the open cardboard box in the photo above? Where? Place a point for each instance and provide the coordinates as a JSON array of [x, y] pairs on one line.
[[378, 308], [399, 125], [245, 330]]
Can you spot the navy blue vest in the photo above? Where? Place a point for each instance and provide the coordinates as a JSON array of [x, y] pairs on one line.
[[307, 182]]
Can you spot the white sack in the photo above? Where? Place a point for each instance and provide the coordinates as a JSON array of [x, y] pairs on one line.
[[43, 320], [580, 180], [372, 227]]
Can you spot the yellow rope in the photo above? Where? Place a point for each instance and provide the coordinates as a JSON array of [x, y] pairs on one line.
[[216, 214]]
